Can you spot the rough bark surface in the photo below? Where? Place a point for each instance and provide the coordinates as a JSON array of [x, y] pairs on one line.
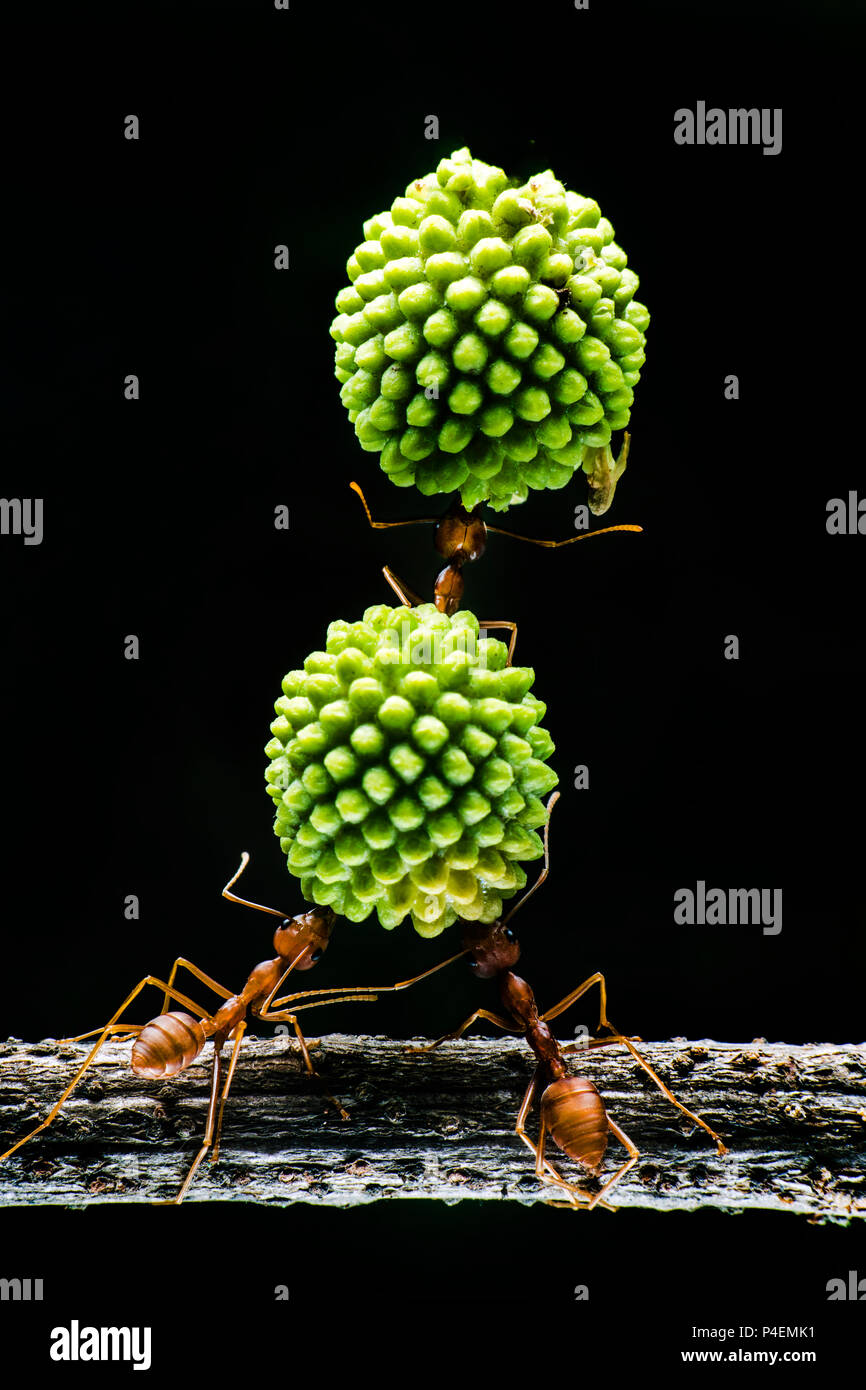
[[438, 1125]]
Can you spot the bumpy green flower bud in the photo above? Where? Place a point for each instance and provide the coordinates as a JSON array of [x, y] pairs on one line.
[[491, 300], [407, 767]]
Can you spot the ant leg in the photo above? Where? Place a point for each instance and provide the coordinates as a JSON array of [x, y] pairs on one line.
[[120, 1030], [520, 1127], [497, 530], [386, 525], [317, 1003], [545, 1171], [572, 998], [342, 994], [199, 975], [290, 1018], [555, 545], [370, 992], [239, 1033], [286, 1017], [546, 869], [633, 1156], [407, 597], [576, 1197], [110, 1027], [131, 1030], [576, 1206], [524, 1111], [216, 1077], [627, 1042], [479, 1013], [512, 628]]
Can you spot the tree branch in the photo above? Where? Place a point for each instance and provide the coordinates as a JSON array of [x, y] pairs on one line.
[[438, 1125]]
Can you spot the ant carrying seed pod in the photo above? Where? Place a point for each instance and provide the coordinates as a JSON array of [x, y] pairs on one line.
[[461, 537], [572, 1112], [171, 1042]]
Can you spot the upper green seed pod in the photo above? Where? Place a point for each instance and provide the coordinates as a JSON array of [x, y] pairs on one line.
[[480, 289], [407, 767]]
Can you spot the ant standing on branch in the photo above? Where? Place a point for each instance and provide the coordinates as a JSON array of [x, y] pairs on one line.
[[572, 1111]]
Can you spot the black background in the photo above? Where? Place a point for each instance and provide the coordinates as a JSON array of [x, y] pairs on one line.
[[156, 257]]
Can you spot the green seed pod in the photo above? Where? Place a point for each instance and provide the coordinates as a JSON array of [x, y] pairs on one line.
[[406, 767], [473, 280]]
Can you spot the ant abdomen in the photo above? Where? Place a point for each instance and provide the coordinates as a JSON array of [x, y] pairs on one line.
[[576, 1119], [166, 1045]]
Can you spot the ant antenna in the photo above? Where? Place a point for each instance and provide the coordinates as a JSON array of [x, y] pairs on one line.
[[383, 525], [546, 870], [245, 859]]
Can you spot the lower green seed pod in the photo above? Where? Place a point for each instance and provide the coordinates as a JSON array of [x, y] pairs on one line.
[[406, 766]]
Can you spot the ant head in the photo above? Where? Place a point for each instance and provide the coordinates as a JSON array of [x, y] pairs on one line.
[[460, 535], [304, 939], [491, 948]]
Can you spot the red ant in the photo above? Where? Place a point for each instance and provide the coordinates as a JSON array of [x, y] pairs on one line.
[[572, 1111], [169, 1043], [573, 1114], [461, 537]]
